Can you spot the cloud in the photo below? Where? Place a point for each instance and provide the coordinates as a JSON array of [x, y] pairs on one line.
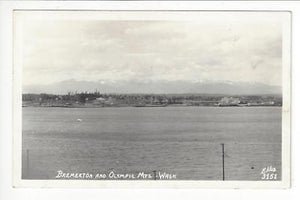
[[254, 64], [151, 50]]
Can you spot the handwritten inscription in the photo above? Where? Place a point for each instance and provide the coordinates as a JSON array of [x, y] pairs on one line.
[[114, 175], [63, 175], [269, 173]]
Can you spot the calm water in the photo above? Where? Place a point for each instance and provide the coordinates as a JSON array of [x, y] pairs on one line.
[[181, 140]]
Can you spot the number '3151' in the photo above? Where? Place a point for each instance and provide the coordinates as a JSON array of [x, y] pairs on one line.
[[269, 176]]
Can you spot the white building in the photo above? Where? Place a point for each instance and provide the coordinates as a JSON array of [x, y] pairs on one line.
[[229, 101]]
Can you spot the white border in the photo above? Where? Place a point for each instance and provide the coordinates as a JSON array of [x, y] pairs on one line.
[[6, 190]]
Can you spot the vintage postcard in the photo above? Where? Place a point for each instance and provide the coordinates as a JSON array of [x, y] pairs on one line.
[[152, 99]]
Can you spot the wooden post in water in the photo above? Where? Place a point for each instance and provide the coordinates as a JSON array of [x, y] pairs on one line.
[[223, 161], [27, 162], [154, 174]]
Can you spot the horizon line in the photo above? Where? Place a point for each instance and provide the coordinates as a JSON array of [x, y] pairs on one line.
[[115, 93]]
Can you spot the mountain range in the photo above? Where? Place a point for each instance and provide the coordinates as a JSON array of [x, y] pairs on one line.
[[155, 87]]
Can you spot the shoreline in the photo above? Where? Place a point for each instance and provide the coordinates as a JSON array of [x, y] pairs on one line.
[[148, 106]]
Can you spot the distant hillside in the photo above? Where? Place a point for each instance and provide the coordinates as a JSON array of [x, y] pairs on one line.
[[159, 87]]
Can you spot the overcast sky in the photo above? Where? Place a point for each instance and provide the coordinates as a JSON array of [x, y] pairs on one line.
[[109, 51]]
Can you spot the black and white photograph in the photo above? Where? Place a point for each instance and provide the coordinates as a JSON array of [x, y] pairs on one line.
[[162, 97]]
